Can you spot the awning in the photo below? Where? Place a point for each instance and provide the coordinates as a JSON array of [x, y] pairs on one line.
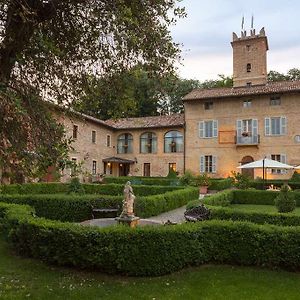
[[118, 160]]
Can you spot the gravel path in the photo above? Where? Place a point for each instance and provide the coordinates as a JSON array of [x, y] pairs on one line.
[[175, 215]]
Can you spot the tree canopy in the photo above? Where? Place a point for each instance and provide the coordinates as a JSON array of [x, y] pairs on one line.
[[50, 49]]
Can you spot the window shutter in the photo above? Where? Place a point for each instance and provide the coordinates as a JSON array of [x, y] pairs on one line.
[[239, 127], [201, 129], [254, 127], [202, 164], [283, 160], [283, 125], [214, 164], [215, 128], [267, 126]]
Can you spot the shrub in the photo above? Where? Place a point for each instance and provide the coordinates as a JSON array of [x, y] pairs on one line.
[[172, 174], [75, 186], [295, 177], [77, 208], [222, 213], [187, 178], [285, 201], [202, 180], [220, 199], [150, 250], [240, 181], [221, 184]]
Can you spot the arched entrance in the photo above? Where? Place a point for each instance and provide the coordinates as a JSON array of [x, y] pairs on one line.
[[247, 172]]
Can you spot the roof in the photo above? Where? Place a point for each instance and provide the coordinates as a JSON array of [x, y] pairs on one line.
[[281, 87], [118, 160], [175, 120]]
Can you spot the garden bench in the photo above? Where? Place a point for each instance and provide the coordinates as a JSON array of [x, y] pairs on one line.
[[104, 211]]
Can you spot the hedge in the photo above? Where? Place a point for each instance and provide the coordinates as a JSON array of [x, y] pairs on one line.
[[258, 184], [163, 181], [281, 219], [220, 184], [103, 189], [258, 197], [77, 208], [151, 250]]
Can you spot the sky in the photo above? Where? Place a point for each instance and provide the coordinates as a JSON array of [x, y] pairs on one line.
[[206, 34]]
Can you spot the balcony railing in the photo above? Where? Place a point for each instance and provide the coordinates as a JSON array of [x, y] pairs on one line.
[[247, 140]]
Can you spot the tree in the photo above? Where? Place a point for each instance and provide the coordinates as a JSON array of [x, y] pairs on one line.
[[49, 49], [292, 74]]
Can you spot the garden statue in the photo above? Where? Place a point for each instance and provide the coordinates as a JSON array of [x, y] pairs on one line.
[[127, 216], [128, 201]]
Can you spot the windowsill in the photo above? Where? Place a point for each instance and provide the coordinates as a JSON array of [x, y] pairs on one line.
[[211, 137]]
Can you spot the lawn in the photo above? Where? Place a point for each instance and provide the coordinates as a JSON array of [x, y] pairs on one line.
[[260, 208], [22, 278]]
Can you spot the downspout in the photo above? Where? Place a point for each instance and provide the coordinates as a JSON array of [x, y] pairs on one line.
[[184, 141]]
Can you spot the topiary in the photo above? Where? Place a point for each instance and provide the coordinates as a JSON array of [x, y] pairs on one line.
[[285, 201], [172, 174], [187, 178], [75, 186]]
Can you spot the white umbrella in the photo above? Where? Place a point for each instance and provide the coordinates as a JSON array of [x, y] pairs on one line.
[[297, 168], [267, 164]]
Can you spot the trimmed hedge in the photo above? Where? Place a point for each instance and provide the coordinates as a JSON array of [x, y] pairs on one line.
[[77, 208], [151, 250], [220, 184], [282, 219], [277, 183], [163, 181], [102, 189], [258, 197]]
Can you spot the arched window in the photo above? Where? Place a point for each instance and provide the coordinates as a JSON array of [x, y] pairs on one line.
[[248, 68], [173, 141], [148, 142], [124, 143]]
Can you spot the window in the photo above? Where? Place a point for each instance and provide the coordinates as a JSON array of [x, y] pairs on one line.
[[147, 168], [75, 131], [275, 100], [208, 105], [247, 131], [275, 126], [208, 164], [94, 167], [108, 140], [94, 136], [249, 84], [248, 47], [247, 103], [280, 158], [173, 141], [248, 68], [208, 129], [125, 143], [297, 138], [172, 166], [148, 143]]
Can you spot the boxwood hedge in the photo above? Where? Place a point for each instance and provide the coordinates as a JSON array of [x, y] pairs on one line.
[[102, 189], [149, 251], [77, 208]]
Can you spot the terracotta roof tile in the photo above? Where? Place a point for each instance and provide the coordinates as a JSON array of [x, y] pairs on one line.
[[269, 88], [147, 122]]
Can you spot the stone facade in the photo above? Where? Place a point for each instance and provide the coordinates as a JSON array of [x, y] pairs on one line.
[[220, 129], [97, 153], [231, 126]]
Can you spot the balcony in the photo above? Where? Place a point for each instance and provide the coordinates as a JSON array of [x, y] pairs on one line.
[[250, 140]]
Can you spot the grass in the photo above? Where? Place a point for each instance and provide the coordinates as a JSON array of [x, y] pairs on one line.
[[260, 208], [23, 278]]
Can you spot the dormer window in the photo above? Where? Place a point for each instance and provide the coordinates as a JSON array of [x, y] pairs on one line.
[[248, 68]]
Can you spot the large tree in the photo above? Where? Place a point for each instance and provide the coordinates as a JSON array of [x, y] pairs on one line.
[[50, 48]]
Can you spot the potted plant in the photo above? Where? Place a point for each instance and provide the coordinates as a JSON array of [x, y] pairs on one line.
[[203, 181]]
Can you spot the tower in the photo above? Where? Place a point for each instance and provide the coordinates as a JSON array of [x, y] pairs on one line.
[[249, 58]]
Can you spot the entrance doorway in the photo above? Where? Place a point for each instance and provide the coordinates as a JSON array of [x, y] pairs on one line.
[[124, 169], [146, 169], [247, 172]]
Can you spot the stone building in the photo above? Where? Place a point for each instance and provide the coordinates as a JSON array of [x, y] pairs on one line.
[[221, 128], [147, 146], [225, 127]]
